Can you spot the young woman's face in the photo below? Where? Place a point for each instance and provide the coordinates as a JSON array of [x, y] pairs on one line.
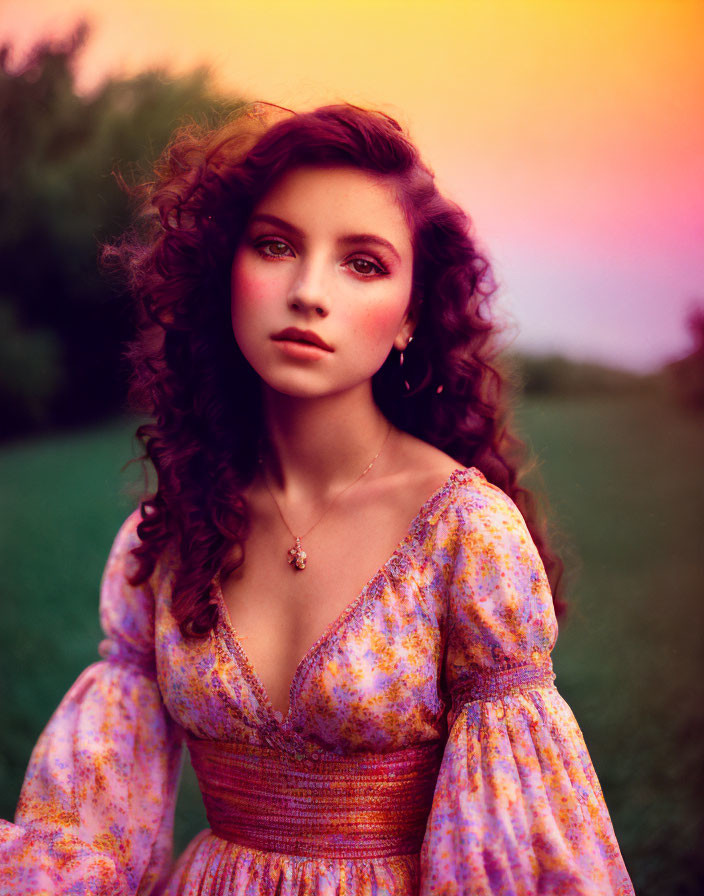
[[327, 251]]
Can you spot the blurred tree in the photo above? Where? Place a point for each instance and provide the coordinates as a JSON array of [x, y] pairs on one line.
[[685, 376], [31, 371], [63, 324], [555, 374]]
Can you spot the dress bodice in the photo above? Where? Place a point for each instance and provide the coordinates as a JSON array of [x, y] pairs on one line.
[[446, 648], [370, 682]]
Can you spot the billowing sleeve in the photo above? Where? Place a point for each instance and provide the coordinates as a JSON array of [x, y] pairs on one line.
[[517, 807], [95, 814]]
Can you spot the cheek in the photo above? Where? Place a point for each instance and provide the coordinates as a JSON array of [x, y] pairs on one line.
[[250, 289], [382, 321]]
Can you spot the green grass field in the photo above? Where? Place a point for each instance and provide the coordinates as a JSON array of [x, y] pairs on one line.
[[626, 482]]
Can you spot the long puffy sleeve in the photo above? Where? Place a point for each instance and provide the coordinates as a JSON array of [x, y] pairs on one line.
[[517, 807], [95, 814]]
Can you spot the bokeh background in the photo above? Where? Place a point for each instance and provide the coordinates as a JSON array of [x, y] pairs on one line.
[[573, 134]]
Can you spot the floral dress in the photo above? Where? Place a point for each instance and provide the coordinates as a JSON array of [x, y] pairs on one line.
[[425, 750]]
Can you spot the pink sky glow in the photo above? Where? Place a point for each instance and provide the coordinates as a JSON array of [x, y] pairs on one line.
[[572, 132]]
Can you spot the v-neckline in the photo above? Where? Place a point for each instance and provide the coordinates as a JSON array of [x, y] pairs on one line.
[[275, 716]]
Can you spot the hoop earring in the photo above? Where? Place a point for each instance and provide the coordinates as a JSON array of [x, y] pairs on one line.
[[405, 382], [426, 379]]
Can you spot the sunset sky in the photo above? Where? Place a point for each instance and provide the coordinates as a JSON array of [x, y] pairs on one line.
[[572, 131]]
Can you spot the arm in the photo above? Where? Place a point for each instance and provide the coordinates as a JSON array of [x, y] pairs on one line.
[[517, 808], [95, 813]]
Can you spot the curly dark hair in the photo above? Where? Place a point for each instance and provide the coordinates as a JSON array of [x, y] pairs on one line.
[[202, 396]]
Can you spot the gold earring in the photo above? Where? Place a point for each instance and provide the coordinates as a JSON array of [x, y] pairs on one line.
[[410, 340], [405, 382]]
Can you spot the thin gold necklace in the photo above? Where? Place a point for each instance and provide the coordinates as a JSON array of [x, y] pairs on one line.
[[296, 555]]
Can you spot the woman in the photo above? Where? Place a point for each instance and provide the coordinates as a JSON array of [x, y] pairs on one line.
[[332, 597]]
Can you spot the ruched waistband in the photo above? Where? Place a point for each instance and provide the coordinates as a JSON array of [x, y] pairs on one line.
[[364, 805]]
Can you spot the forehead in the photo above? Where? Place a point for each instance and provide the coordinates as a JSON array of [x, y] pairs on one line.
[[343, 199]]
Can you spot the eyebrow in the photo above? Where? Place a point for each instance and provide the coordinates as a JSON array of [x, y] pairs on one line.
[[345, 240]]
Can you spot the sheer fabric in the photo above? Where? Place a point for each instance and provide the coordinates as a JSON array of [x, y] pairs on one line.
[[448, 644]]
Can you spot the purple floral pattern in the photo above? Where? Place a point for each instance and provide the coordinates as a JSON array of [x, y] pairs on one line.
[[449, 642]]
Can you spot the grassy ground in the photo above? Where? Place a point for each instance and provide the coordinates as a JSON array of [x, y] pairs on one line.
[[625, 479], [627, 482]]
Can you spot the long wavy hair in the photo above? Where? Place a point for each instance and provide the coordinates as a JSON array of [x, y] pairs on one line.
[[201, 395]]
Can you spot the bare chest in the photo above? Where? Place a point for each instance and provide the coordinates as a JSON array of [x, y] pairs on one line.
[[280, 613]]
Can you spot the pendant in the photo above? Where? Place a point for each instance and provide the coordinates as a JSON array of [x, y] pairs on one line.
[[297, 556]]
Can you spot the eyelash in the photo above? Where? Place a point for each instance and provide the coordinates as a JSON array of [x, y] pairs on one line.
[[380, 270], [261, 243]]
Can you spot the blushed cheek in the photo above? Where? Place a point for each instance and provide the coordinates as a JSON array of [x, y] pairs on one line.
[[249, 291], [244, 285], [382, 322]]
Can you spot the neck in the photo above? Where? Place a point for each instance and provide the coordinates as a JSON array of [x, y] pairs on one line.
[[318, 446]]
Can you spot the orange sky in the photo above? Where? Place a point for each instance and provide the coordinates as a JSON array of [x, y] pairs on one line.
[[571, 131]]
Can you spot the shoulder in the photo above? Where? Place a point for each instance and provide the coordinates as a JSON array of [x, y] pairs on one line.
[[466, 489], [488, 549], [499, 597], [126, 611], [123, 542], [479, 508], [469, 522], [472, 506]]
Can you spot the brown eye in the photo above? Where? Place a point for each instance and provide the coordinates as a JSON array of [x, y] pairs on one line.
[[366, 267], [273, 248]]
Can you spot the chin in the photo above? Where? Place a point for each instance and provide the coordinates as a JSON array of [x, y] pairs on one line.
[[294, 390], [310, 391]]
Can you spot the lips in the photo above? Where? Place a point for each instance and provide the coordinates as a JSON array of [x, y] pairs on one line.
[[307, 337]]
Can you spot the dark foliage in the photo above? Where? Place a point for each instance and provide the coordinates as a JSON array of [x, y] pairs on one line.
[[62, 325]]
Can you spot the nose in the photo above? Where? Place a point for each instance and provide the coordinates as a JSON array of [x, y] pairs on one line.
[[308, 291]]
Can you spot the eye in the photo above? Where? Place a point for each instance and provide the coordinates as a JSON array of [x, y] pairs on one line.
[[273, 248], [366, 268]]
